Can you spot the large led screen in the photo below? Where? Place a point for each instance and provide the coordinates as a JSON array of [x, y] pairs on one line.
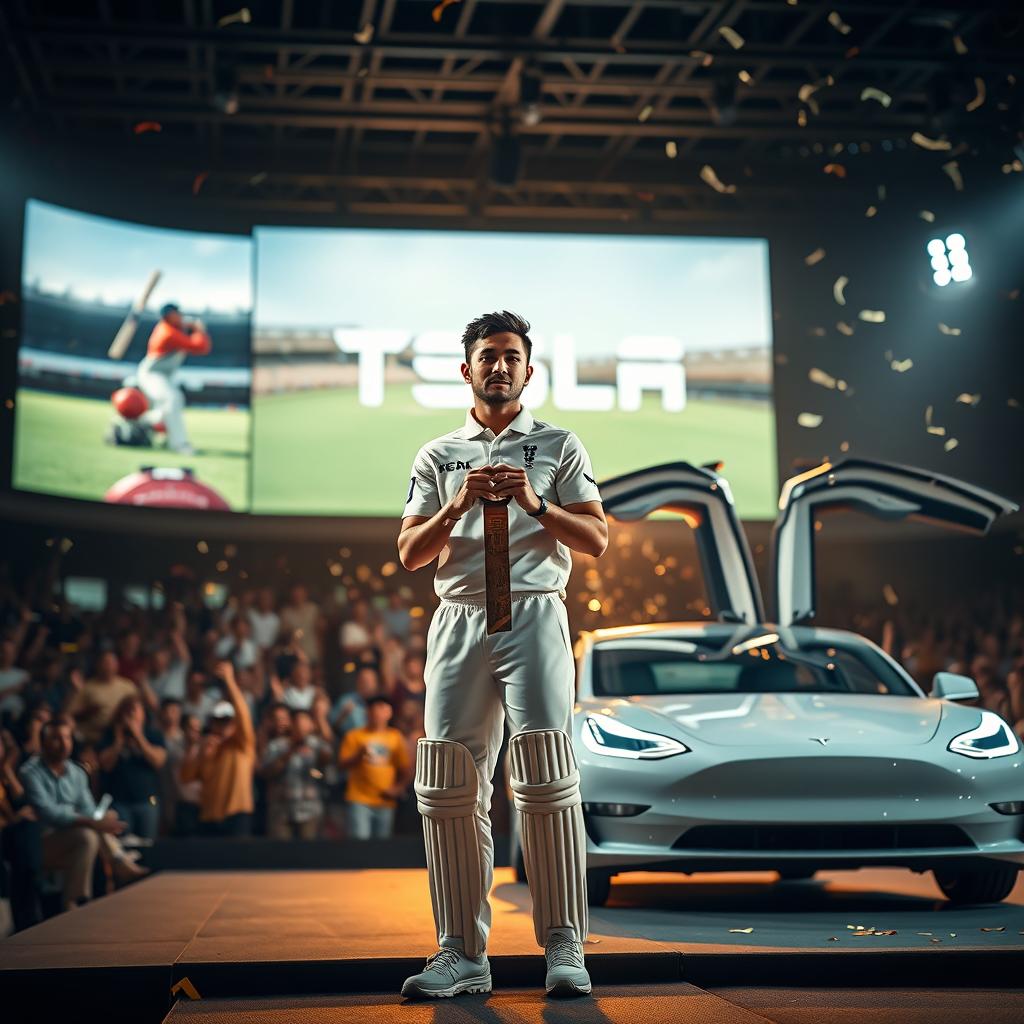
[[122, 398], [650, 349]]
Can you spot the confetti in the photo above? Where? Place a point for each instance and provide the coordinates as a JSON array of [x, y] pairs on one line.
[[926, 215], [147, 126], [837, 169], [838, 287], [747, 931], [439, 9], [953, 170], [1013, 403], [805, 94], [826, 380], [890, 595], [946, 329], [809, 420], [244, 16], [950, 444], [844, 328], [871, 93], [959, 45], [365, 34], [838, 24], [814, 257], [925, 933], [801, 120], [197, 181], [852, 52], [901, 365], [937, 431], [979, 98], [259, 178], [872, 316], [745, 77], [671, 150], [966, 398], [707, 175], [933, 144], [881, 193], [1001, 928], [732, 37], [871, 211], [706, 59], [645, 113]]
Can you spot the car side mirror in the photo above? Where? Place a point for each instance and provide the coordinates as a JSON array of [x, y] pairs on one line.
[[950, 686]]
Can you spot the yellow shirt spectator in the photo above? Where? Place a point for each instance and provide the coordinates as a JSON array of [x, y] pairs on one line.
[[385, 758]]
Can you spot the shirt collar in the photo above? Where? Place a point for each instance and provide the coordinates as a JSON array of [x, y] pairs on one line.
[[522, 424]]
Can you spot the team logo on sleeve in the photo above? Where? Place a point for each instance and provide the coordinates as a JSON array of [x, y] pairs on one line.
[[412, 487], [529, 454]]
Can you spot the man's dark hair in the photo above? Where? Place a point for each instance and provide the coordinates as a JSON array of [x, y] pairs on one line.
[[496, 323], [169, 702], [54, 723], [168, 308], [380, 699]]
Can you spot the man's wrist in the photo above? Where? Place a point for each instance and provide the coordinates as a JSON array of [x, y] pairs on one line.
[[541, 508]]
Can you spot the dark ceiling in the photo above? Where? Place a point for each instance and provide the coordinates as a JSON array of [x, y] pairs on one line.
[[516, 112]]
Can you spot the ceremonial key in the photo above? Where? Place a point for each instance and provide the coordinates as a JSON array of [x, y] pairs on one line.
[[497, 575]]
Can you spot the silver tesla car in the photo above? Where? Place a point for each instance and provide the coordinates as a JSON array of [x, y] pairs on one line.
[[746, 744]]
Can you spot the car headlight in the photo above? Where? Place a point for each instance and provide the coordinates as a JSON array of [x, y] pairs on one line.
[[992, 737], [605, 735]]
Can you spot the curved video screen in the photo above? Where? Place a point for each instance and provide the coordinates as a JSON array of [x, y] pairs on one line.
[[140, 381], [650, 349], [116, 402]]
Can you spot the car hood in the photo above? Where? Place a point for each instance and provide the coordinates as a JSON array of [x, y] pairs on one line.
[[776, 719]]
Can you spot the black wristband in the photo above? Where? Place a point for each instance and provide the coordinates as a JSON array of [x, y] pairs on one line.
[[543, 508]]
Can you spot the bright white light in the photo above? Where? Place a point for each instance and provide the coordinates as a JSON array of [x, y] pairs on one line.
[[962, 272], [942, 277], [949, 259], [955, 241], [940, 262], [936, 247], [957, 256]]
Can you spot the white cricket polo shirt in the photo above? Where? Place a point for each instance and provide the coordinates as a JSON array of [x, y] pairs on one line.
[[559, 470]]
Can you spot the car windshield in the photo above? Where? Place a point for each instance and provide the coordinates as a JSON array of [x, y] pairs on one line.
[[758, 665]]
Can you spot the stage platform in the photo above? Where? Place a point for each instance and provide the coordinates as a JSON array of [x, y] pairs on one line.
[[234, 935]]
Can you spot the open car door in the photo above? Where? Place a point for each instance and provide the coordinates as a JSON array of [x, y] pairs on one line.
[[882, 489], [705, 502]]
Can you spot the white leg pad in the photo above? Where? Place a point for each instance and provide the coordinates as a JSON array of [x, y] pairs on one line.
[[546, 789], [446, 794]]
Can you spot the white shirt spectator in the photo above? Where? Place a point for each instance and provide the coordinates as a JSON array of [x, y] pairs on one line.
[[171, 683], [244, 653], [354, 635], [265, 627], [299, 698]]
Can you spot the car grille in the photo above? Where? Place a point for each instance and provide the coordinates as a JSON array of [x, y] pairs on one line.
[[821, 837]]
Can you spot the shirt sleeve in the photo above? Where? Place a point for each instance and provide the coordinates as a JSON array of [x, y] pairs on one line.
[[422, 497], [574, 478]]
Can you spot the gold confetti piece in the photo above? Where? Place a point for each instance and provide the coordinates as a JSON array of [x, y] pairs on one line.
[[707, 175], [959, 45], [888, 931], [809, 420], [365, 34], [9, 403], [185, 986], [950, 444], [902, 365], [745, 77], [743, 931], [946, 329], [844, 328], [440, 8], [837, 289], [1001, 928], [838, 24], [953, 170], [837, 169], [147, 126], [852, 52], [933, 144], [732, 37], [890, 595], [801, 120], [872, 316], [671, 150], [244, 16], [845, 446], [645, 113], [817, 376], [871, 211], [937, 431], [966, 398], [706, 59], [197, 181], [805, 94], [814, 257], [871, 93], [979, 98], [926, 215]]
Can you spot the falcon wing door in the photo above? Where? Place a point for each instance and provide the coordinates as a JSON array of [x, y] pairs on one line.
[[882, 489], [705, 501]]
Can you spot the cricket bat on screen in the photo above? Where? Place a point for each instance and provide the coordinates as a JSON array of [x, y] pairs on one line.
[[126, 331]]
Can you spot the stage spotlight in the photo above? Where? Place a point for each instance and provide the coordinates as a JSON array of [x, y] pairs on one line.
[[949, 260]]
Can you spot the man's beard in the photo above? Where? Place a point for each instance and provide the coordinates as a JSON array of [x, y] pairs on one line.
[[498, 397]]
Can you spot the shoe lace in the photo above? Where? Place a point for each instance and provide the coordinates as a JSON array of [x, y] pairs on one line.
[[563, 951], [444, 959]]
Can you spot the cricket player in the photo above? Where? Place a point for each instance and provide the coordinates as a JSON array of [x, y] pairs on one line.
[[170, 342], [474, 680]]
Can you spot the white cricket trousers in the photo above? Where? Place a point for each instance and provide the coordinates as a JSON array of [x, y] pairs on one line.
[[474, 681], [167, 406]]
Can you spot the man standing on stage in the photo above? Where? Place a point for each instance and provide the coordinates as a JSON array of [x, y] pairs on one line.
[[476, 677]]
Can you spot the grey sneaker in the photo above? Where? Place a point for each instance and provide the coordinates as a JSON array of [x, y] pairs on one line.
[[566, 974], [449, 972]]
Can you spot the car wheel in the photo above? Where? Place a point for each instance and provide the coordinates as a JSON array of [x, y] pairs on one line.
[[795, 874], [989, 883], [599, 886]]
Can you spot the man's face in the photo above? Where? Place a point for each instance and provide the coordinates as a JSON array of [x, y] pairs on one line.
[[223, 727], [282, 721], [192, 729], [174, 318], [299, 595], [301, 675], [366, 683], [497, 368], [129, 645], [302, 726], [170, 717], [161, 660], [380, 714], [106, 666], [58, 742]]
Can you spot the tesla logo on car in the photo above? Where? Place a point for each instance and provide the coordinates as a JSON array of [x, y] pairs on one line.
[[820, 739]]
